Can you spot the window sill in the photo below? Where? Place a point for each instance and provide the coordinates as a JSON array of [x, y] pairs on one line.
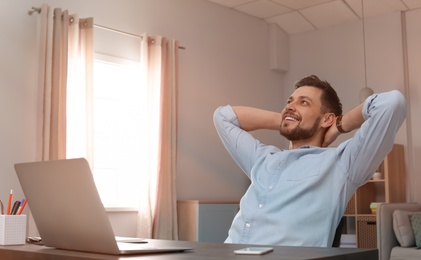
[[121, 209]]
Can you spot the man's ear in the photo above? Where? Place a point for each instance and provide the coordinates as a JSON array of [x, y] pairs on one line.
[[328, 120]]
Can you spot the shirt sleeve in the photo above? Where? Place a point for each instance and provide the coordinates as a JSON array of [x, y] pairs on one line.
[[361, 155], [241, 145]]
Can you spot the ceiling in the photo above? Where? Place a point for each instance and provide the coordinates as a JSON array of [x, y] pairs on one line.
[[297, 16]]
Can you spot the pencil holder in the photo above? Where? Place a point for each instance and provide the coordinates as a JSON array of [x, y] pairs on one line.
[[12, 229]]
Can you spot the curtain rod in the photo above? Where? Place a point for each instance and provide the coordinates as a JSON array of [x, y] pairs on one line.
[[34, 10], [126, 33], [38, 10]]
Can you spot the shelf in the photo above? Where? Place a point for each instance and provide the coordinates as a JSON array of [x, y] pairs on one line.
[[391, 188], [382, 180]]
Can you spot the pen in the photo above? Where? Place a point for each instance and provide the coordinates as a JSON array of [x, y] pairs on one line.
[[10, 202], [2, 207], [22, 206], [15, 207]]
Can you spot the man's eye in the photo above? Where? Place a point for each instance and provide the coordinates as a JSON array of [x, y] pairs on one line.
[[304, 102]]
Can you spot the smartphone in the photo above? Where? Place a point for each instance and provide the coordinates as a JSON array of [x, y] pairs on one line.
[[253, 251]]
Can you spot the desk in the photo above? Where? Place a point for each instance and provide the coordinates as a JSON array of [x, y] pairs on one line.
[[202, 250]]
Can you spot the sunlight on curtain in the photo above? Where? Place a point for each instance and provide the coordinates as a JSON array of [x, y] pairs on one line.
[[159, 68], [80, 82]]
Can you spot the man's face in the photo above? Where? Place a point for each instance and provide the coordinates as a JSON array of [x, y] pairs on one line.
[[302, 115]]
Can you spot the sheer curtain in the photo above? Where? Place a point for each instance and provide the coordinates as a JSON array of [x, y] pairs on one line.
[[158, 206], [62, 40], [80, 81]]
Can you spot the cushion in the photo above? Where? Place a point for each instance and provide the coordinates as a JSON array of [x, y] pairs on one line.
[[402, 253], [416, 227], [403, 228]]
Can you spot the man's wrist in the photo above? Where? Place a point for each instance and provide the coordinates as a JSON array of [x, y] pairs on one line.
[[339, 125]]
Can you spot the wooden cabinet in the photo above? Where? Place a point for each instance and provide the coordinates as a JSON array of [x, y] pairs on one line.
[[390, 187], [205, 221]]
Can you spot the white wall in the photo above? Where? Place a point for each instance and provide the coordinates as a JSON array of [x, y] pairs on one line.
[[413, 21], [17, 96]]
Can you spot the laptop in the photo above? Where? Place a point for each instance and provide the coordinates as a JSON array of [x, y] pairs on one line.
[[68, 211]]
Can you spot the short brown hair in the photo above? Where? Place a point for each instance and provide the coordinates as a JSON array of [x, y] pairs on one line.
[[330, 100]]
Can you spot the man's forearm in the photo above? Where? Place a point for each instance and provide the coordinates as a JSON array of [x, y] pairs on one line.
[[253, 118], [353, 119]]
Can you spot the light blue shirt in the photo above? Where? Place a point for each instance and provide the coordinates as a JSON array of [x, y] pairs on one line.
[[297, 197]]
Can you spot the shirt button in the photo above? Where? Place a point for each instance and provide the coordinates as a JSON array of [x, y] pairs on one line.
[[248, 225], [260, 205], [270, 187]]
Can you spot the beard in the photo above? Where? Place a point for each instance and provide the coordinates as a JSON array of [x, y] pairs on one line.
[[299, 133]]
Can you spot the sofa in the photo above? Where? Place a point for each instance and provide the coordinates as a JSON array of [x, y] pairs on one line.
[[395, 234]]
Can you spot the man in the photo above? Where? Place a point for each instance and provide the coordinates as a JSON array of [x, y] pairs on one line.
[[298, 196]]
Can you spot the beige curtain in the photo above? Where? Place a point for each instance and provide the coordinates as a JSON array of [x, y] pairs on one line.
[[56, 40], [158, 206], [80, 81]]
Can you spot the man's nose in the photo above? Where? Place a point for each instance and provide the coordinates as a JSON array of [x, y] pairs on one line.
[[290, 106]]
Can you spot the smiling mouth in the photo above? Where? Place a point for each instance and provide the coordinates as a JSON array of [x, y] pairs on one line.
[[289, 118]]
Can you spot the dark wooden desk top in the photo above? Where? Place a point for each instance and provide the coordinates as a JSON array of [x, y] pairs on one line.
[[201, 251]]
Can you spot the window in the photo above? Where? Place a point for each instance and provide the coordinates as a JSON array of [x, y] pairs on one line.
[[119, 133]]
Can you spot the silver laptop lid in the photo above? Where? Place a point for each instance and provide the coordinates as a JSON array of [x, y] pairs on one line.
[[66, 206]]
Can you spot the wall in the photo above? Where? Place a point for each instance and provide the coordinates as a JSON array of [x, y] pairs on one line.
[[17, 98], [413, 21]]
